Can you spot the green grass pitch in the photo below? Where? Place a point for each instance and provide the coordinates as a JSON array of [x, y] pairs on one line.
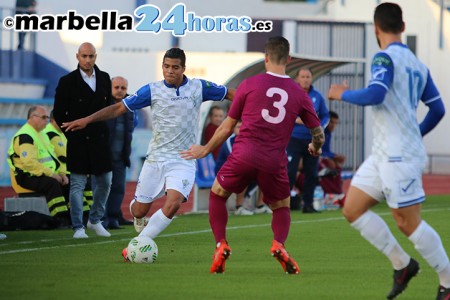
[[335, 262]]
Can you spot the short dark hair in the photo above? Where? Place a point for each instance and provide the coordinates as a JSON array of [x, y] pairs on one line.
[[176, 53], [277, 48], [389, 17], [333, 115]]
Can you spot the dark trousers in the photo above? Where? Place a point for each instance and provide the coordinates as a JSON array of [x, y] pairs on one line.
[[21, 40], [50, 188], [298, 149], [117, 193]]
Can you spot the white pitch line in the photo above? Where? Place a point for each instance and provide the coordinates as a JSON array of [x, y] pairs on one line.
[[109, 241]]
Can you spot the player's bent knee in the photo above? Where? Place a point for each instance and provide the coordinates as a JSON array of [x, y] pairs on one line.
[[170, 208], [139, 209], [279, 204], [350, 214], [219, 190], [407, 226]]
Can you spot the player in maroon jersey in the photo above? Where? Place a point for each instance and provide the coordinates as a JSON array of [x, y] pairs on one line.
[[268, 105]]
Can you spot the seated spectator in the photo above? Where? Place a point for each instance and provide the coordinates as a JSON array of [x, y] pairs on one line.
[[35, 165], [224, 152], [216, 116], [330, 165]]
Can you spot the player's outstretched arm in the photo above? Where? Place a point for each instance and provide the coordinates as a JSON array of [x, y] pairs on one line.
[[110, 112], [336, 90], [222, 133], [230, 94]]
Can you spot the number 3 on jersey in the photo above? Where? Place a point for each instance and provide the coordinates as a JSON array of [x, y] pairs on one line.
[[277, 104]]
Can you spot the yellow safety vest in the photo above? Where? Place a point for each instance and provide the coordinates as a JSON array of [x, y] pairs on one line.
[[44, 150], [59, 145]]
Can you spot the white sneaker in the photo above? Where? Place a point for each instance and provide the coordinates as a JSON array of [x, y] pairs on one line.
[[139, 224], [98, 228], [242, 211], [2, 236], [263, 210], [80, 234]]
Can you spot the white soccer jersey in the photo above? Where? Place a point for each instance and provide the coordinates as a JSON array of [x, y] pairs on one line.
[[396, 130], [175, 114]]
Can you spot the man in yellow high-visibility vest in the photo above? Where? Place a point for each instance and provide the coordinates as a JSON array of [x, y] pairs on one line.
[[35, 164]]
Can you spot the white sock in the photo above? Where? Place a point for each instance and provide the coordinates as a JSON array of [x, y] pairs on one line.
[[156, 224], [428, 243], [444, 276], [375, 230]]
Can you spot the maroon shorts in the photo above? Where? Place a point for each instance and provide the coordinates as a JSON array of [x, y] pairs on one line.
[[235, 176]]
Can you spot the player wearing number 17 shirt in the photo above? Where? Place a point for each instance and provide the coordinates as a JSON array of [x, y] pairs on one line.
[[394, 169], [268, 105]]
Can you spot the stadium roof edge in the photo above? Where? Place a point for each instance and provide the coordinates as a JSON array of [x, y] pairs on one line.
[[318, 66]]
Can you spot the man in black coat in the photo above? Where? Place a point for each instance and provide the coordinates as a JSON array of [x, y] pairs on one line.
[[79, 94]]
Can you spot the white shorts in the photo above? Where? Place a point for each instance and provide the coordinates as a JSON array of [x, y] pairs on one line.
[[157, 177], [400, 183]]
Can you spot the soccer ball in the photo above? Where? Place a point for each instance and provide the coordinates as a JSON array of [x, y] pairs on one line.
[[142, 249]]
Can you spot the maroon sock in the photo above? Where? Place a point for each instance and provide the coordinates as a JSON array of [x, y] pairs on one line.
[[281, 221], [218, 215]]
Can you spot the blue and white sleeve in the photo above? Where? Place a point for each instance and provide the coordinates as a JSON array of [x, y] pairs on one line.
[[142, 98], [212, 91], [382, 70], [433, 100]]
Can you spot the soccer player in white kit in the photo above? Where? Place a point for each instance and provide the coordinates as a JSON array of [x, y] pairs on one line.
[[394, 169], [175, 107]]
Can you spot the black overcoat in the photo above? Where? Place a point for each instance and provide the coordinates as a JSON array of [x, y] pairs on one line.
[[88, 150]]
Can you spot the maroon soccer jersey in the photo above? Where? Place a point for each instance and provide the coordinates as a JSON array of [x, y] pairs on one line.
[[268, 105]]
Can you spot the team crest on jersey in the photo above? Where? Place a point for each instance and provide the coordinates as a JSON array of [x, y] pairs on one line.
[[207, 84], [24, 153], [60, 144]]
